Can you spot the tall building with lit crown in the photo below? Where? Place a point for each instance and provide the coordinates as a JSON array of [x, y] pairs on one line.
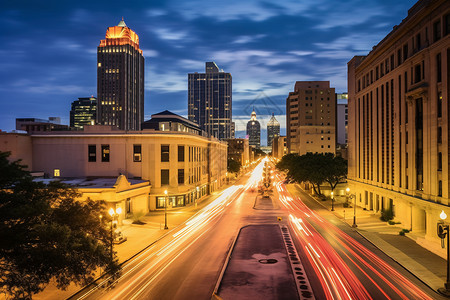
[[273, 130], [120, 79], [398, 123], [311, 118], [254, 131], [209, 101], [83, 112]]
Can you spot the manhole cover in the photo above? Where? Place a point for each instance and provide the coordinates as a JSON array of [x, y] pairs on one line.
[[268, 261]]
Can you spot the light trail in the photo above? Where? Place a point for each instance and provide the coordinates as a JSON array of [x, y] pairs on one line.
[[336, 277]]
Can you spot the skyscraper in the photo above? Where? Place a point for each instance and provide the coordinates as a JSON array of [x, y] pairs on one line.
[[83, 112], [273, 130], [209, 101], [254, 131], [120, 79], [311, 118]]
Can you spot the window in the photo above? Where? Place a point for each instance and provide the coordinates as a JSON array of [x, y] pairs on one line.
[[180, 152], [439, 67], [446, 24], [137, 154], [418, 42], [164, 177], [437, 31], [417, 73], [160, 202], [440, 161], [128, 206], [56, 173], [164, 153], [440, 188], [180, 176], [105, 153], [92, 153], [439, 105], [405, 52]]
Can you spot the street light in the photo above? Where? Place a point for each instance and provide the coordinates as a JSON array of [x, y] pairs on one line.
[[354, 207], [332, 201], [196, 196], [442, 231], [114, 214], [165, 210]]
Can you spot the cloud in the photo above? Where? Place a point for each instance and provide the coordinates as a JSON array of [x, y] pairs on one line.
[[170, 35], [246, 39]]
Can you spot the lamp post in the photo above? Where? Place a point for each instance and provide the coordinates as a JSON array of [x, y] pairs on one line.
[[332, 201], [165, 210], [354, 207], [114, 214], [442, 231], [196, 196]]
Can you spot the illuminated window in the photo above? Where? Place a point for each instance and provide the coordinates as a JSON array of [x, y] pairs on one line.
[[105, 153], [99, 65], [56, 173], [137, 155]]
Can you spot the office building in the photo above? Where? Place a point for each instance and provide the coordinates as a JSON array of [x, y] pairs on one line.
[[279, 147], [311, 118], [120, 79], [168, 121], [35, 124], [342, 118], [273, 130], [209, 101], [83, 112], [187, 165], [238, 150], [398, 122], [254, 131]]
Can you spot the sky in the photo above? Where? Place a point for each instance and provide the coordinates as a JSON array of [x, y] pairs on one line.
[[48, 50]]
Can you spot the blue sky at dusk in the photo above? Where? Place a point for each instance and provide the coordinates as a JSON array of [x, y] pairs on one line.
[[48, 49]]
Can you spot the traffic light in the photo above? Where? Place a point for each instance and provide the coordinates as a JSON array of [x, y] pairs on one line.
[[442, 230]]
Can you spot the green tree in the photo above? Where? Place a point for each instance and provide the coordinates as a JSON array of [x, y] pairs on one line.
[[46, 234], [233, 166], [336, 172], [315, 168]]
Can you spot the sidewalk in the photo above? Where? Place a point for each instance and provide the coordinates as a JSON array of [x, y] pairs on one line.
[[425, 265], [139, 237]]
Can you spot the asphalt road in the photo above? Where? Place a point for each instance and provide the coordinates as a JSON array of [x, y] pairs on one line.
[[186, 264]]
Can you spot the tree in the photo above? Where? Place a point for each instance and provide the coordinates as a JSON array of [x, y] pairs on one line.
[[233, 166], [336, 172], [46, 234], [315, 168]]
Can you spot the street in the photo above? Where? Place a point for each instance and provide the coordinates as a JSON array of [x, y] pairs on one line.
[[186, 264]]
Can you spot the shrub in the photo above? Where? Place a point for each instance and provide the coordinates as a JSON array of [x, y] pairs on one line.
[[392, 223], [346, 204], [402, 233], [387, 215]]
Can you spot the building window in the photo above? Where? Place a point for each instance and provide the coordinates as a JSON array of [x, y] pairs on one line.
[[137, 154], [92, 153], [105, 153], [164, 153], [447, 24], [439, 105], [437, 31], [180, 176], [56, 173], [439, 67], [160, 202], [440, 188], [164, 177], [417, 73], [128, 206], [440, 161], [180, 152], [405, 52]]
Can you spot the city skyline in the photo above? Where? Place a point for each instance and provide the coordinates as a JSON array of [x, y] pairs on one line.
[[264, 50]]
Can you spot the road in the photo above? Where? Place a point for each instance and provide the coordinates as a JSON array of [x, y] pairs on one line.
[[186, 264]]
